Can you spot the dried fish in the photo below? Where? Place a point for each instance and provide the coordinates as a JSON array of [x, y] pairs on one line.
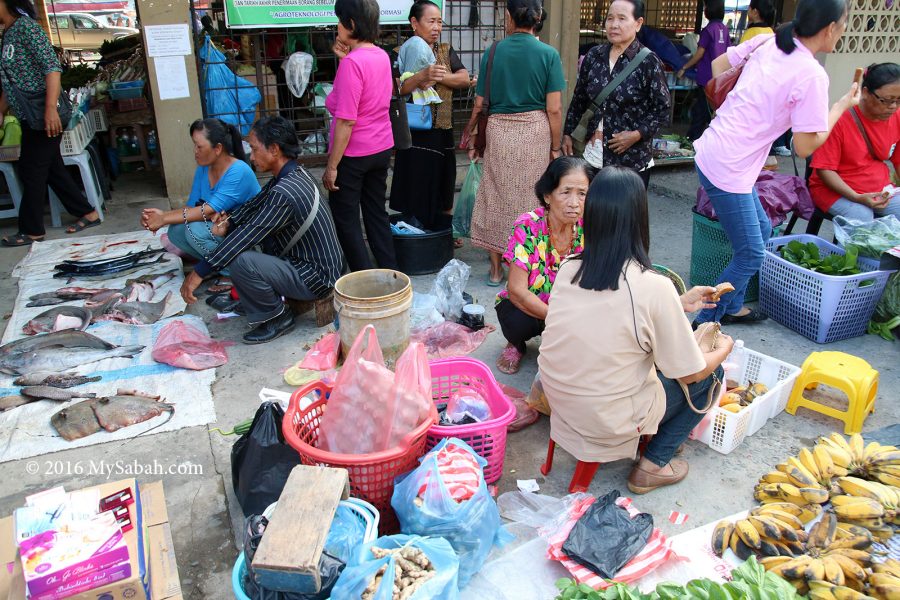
[[61, 380]]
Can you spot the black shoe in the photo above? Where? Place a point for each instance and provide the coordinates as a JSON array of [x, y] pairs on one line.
[[271, 329], [225, 303], [754, 316]]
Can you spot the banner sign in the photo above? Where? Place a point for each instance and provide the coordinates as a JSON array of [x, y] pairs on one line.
[[255, 14]]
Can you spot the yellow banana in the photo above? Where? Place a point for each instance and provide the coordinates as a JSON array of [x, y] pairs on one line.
[[820, 590], [781, 517], [889, 455], [809, 463], [890, 567], [850, 567], [792, 569], [824, 463], [768, 548], [748, 533], [765, 527], [871, 450], [857, 447], [801, 474], [844, 593], [833, 571], [850, 530], [888, 591], [883, 578], [732, 408], [787, 507], [854, 486], [822, 533], [840, 442], [860, 556], [866, 509], [847, 500], [888, 479], [775, 477], [810, 512], [815, 569], [769, 562], [840, 457], [814, 495], [737, 545], [721, 536], [859, 542]]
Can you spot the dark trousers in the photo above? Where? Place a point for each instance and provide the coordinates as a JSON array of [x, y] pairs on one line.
[[41, 164], [517, 327], [261, 280], [680, 419], [645, 177], [363, 185], [701, 115]]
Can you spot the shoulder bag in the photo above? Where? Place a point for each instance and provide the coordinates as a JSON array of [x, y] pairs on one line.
[[481, 135], [419, 116], [720, 86], [581, 135], [865, 135], [707, 337], [307, 223], [399, 120], [32, 104]]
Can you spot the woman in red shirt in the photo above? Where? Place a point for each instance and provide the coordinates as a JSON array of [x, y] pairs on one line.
[[847, 180]]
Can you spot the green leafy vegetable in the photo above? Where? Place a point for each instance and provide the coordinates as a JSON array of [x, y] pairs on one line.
[[887, 312], [808, 256], [872, 238]]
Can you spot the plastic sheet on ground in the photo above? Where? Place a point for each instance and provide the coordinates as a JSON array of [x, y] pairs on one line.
[[448, 339], [779, 194]]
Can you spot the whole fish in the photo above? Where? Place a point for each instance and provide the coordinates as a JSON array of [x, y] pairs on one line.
[[61, 380], [11, 402], [79, 293], [137, 313], [104, 274], [47, 320], [48, 301], [45, 392], [69, 338], [57, 358], [107, 265], [76, 420], [130, 257], [157, 281], [139, 291], [101, 299], [115, 412]]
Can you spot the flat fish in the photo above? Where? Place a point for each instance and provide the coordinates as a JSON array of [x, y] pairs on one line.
[[137, 313], [61, 380], [60, 359], [69, 338], [11, 402], [46, 392], [76, 421], [115, 412], [48, 320]]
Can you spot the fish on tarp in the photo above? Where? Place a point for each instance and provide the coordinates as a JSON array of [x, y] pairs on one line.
[[76, 420], [46, 392], [139, 291], [68, 338], [69, 293], [137, 313], [60, 358], [102, 299], [111, 265], [129, 257], [48, 301], [54, 319], [154, 279], [11, 402], [57, 380], [116, 412], [105, 273]]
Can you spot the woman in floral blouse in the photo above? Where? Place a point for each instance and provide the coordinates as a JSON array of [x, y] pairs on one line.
[[637, 109], [540, 241]]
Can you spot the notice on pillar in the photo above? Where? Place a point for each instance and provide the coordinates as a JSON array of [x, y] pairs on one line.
[[171, 77], [168, 40]]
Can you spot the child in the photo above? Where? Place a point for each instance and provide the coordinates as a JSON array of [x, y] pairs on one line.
[[714, 40], [415, 55]]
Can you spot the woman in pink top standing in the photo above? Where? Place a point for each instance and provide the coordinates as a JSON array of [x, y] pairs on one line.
[[361, 139], [782, 87]]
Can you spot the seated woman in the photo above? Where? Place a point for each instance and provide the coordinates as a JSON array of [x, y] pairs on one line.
[[223, 181], [540, 240], [617, 345], [847, 180]]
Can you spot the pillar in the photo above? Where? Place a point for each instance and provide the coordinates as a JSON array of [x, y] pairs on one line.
[[562, 30]]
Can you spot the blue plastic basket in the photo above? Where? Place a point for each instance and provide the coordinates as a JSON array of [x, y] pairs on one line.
[[121, 85], [128, 90], [823, 308]]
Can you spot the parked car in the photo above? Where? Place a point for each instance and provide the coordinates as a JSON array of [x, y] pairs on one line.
[[81, 31]]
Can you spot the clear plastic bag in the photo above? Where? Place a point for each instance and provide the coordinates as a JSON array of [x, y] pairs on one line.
[[534, 510], [297, 70], [324, 353], [873, 238], [449, 286], [423, 313], [425, 505], [182, 345], [467, 402], [465, 201], [359, 575]]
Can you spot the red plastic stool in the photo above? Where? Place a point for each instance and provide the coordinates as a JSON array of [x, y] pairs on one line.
[[584, 471]]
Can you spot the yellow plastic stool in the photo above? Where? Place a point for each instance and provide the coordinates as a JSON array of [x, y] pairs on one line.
[[850, 374]]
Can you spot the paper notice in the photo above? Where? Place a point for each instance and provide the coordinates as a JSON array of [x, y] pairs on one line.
[[168, 40], [171, 77]]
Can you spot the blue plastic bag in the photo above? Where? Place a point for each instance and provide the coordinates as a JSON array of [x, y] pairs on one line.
[[228, 97], [357, 577], [347, 532], [472, 526]]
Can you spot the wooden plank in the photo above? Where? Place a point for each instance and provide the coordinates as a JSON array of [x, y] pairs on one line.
[[288, 556]]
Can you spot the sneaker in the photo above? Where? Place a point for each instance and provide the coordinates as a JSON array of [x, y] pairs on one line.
[[781, 151], [271, 329]]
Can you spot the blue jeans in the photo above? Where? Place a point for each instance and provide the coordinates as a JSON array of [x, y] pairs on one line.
[[199, 242], [680, 419], [854, 211], [748, 229]]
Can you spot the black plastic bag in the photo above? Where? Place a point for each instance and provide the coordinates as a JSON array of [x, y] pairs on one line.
[[605, 538], [261, 461], [330, 568]]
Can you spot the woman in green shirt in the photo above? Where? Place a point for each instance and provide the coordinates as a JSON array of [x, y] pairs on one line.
[[524, 128], [28, 64]]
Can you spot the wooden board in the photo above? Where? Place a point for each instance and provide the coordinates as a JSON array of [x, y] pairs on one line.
[[288, 556]]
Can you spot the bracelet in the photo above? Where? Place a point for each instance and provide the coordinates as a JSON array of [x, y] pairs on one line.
[[555, 149]]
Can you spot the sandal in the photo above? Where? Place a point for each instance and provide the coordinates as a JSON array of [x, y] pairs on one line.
[[223, 284], [509, 360], [458, 243], [754, 316], [82, 224], [19, 240], [491, 283]]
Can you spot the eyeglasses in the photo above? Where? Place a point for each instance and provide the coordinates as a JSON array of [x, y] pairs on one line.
[[889, 102]]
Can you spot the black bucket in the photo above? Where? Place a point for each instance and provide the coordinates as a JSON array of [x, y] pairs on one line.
[[425, 253]]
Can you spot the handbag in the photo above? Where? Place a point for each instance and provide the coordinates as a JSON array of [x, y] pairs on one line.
[[865, 135], [399, 121], [419, 116], [707, 338], [718, 87], [481, 134], [581, 135], [33, 104]]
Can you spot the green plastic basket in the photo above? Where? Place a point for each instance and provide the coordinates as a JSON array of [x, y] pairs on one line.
[[711, 253]]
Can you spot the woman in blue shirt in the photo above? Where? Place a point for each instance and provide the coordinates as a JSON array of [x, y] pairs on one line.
[[223, 180]]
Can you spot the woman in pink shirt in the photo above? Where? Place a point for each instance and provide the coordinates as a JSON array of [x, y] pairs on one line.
[[361, 139], [782, 87]]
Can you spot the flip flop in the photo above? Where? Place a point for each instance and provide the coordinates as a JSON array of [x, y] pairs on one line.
[[491, 283], [19, 240], [220, 285], [82, 224]]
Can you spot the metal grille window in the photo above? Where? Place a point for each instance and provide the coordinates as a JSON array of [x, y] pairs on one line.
[[676, 15]]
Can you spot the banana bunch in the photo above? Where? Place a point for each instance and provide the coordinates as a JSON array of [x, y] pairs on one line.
[[838, 559], [734, 400], [884, 582], [769, 530], [823, 590], [871, 461], [868, 504], [804, 479]]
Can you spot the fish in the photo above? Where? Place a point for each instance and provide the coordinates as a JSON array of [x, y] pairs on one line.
[[79, 293], [156, 280], [137, 313], [69, 338], [60, 380], [103, 262], [11, 402], [104, 273], [48, 301], [46, 392], [101, 299], [48, 320], [56, 358], [76, 420], [115, 412]]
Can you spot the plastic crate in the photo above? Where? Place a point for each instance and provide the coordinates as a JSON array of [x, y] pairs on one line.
[[823, 308], [98, 117], [10, 153], [710, 254], [127, 90], [125, 85], [75, 140], [723, 430], [488, 438]]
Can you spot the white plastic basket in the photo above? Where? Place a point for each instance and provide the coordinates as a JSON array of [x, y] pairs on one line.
[[75, 140], [98, 119], [722, 430]]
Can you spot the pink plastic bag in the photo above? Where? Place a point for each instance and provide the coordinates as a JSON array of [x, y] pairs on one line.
[[185, 346], [449, 339], [324, 353], [358, 417], [412, 397]]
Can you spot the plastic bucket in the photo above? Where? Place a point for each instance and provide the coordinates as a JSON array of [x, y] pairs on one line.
[[380, 297]]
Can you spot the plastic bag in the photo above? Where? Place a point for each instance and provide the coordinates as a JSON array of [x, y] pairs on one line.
[[873, 238], [330, 568], [347, 532], [296, 71], [182, 345], [886, 320], [228, 97], [261, 461], [465, 202], [324, 353], [605, 538], [423, 313], [467, 402], [472, 526], [361, 406], [449, 286], [537, 399], [413, 404], [362, 572], [528, 508], [449, 339], [525, 415]]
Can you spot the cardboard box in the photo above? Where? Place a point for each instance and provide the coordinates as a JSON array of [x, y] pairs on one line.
[[154, 571]]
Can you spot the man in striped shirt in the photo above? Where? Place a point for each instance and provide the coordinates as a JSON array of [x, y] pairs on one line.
[[300, 256]]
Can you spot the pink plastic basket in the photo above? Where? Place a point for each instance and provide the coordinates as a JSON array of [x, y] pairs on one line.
[[488, 438]]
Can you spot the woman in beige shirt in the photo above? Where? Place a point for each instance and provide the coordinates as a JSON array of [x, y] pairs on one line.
[[617, 343]]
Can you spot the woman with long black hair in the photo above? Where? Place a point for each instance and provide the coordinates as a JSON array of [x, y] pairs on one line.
[[29, 68]]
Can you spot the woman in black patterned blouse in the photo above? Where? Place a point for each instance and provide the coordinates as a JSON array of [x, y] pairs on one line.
[[637, 109]]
